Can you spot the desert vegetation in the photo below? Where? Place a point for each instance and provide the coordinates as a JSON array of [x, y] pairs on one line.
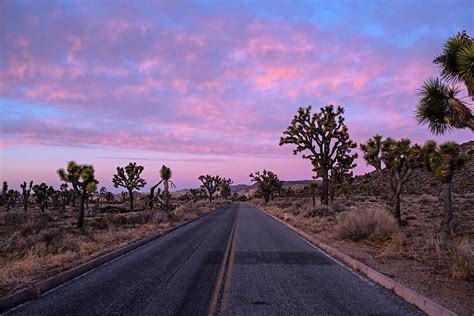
[[50, 231]]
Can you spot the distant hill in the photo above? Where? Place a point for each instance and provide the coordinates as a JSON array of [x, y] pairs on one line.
[[240, 188], [421, 182]]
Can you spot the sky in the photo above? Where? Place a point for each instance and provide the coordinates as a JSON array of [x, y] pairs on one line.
[[207, 87]]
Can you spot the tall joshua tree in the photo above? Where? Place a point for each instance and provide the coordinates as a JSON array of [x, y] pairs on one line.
[[225, 188], [26, 192], [165, 175], [324, 138], [443, 160], [42, 194], [268, 184], [83, 182], [4, 192], [129, 178], [211, 184], [399, 158], [440, 105]]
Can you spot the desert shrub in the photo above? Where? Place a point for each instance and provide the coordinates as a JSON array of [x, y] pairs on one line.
[[428, 199], [135, 218], [318, 211], [296, 204], [458, 254], [373, 225], [35, 224], [349, 203], [337, 207], [284, 203], [462, 267], [14, 219]]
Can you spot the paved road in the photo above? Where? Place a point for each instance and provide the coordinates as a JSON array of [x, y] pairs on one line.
[[236, 261]]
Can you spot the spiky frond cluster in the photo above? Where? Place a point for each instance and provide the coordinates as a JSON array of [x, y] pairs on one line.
[[165, 173], [398, 156], [441, 108], [81, 177], [448, 60], [442, 160]]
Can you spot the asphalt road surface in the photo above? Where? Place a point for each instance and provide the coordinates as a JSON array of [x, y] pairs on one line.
[[236, 261]]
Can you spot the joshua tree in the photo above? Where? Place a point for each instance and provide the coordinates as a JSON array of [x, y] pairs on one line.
[[165, 175], [225, 188], [313, 187], [109, 197], [443, 161], [102, 194], [197, 194], [129, 178], [211, 184], [42, 193], [4, 192], [83, 182], [64, 195], [268, 184], [12, 197], [26, 192], [124, 196], [326, 139], [72, 197], [440, 105], [399, 158]]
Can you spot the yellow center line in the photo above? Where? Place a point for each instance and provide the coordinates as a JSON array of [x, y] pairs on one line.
[[220, 275], [228, 278]]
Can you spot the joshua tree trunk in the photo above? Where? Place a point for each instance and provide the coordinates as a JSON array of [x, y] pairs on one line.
[[25, 205], [8, 206], [42, 207], [63, 206], [396, 204], [130, 193], [80, 221], [210, 198], [166, 197], [332, 193], [448, 206], [325, 188], [267, 198], [151, 202]]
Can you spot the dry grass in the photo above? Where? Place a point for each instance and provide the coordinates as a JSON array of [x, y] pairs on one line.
[[373, 225], [36, 245]]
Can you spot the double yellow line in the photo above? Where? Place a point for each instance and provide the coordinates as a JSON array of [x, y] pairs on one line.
[[227, 268]]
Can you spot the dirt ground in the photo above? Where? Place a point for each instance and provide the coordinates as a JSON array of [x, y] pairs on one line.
[[35, 245], [419, 255]]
